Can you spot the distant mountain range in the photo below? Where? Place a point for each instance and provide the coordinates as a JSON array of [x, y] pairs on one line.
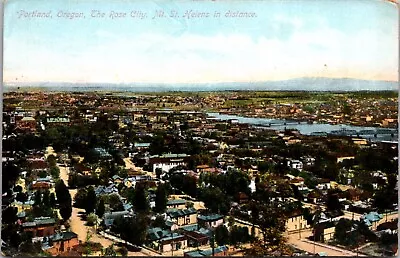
[[301, 84]]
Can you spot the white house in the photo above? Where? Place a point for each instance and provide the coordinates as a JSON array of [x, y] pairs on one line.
[[296, 164]]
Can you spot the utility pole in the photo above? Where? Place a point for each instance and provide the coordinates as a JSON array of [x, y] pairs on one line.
[[213, 242], [172, 245]]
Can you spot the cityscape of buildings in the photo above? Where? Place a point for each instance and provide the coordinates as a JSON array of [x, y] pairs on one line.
[[160, 174]]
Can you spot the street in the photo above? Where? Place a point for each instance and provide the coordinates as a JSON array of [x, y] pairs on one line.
[[78, 226]]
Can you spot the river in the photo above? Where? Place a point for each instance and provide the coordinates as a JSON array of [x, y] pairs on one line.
[[309, 129]]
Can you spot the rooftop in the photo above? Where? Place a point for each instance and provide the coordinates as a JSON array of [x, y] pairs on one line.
[[211, 217]]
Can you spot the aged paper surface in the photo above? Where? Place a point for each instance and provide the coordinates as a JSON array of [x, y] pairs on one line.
[[200, 128]]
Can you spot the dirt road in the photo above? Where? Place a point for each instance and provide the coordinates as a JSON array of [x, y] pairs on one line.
[[78, 225], [311, 247]]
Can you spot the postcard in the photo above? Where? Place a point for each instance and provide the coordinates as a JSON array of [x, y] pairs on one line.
[[200, 128]]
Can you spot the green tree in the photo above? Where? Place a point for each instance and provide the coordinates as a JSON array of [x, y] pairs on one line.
[[52, 201], [18, 189], [161, 198], [159, 172], [221, 235], [55, 172], [80, 198], [332, 202], [52, 160], [91, 200], [100, 208], [64, 200], [91, 219], [46, 198], [109, 251], [21, 197], [38, 198], [9, 215], [141, 203], [131, 229]]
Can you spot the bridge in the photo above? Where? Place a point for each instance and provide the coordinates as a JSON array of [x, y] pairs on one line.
[[375, 133]]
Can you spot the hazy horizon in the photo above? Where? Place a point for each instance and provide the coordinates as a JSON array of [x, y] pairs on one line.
[[300, 84]]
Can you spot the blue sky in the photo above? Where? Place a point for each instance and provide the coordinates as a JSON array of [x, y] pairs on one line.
[[287, 39]]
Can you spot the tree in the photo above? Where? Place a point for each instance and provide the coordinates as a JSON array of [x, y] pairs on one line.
[[91, 200], [38, 198], [65, 211], [62, 192], [239, 235], [332, 202], [159, 222], [52, 160], [9, 215], [109, 251], [221, 235], [159, 172], [131, 229], [46, 198], [18, 189], [80, 198], [52, 201], [161, 198], [64, 200], [100, 208], [215, 200], [345, 233], [123, 251], [140, 203], [10, 174], [91, 219], [55, 172], [21, 197], [268, 214]]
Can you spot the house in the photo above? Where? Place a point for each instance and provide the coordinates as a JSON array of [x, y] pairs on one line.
[[141, 146], [155, 234], [341, 159], [212, 220], [390, 226], [37, 166], [27, 124], [57, 121], [196, 238], [40, 227], [297, 181], [80, 168], [218, 251], [103, 154], [40, 185], [315, 196], [325, 231], [323, 184], [60, 243], [130, 182], [117, 179], [308, 161], [174, 241], [242, 197], [176, 204], [295, 164], [109, 217], [372, 219], [254, 229], [296, 221], [183, 216], [353, 194], [103, 190], [168, 161]]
